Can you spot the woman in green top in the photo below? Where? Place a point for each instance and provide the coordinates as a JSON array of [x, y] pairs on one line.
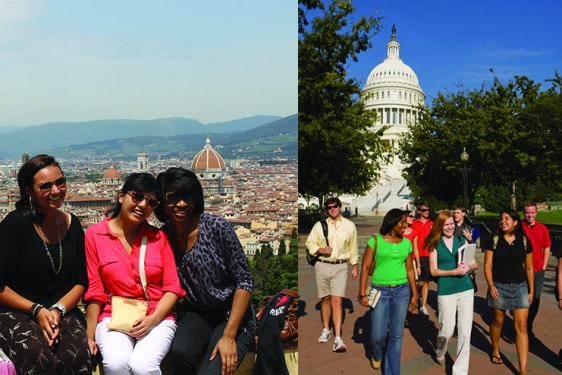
[[394, 277], [454, 290]]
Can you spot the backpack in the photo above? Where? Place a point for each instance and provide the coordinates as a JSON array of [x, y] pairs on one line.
[[496, 238]]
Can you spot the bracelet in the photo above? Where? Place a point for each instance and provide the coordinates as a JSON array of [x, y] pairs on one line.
[[491, 286], [35, 308], [360, 297], [60, 308], [31, 309]]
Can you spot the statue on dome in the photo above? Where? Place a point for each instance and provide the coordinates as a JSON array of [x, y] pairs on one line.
[[393, 30]]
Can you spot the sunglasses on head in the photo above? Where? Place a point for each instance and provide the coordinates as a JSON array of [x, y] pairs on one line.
[[139, 197], [60, 182], [424, 210], [331, 207], [173, 197]]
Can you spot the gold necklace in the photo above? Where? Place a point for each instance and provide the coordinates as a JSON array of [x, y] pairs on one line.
[[46, 248]]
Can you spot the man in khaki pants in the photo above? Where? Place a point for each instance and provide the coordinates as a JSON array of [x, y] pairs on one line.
[[331, 268]]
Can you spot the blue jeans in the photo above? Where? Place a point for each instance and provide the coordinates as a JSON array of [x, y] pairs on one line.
[[390, 312]]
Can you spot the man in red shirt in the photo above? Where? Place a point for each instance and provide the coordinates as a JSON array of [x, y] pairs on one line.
[[423, 226], [540, 240]]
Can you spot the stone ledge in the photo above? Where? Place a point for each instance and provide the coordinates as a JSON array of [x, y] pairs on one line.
[[246, 368]]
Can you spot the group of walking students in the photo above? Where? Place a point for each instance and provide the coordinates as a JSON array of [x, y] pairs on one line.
[[48, 265], [508, 270]]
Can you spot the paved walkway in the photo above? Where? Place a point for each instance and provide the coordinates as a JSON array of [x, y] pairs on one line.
[[418, 343]]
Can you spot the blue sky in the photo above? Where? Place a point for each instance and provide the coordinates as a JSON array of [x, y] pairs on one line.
[[448, 42], [212, 60]]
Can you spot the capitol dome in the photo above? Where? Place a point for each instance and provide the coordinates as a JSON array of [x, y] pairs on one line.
[[394, 93]]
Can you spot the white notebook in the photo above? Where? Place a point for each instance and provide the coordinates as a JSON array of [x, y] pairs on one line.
[[467, 252]]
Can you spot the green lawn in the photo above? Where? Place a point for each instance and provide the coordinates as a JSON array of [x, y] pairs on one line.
[[554, 217]]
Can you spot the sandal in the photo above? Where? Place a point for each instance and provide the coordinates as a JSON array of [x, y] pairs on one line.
[[496, 360], [440, 361]]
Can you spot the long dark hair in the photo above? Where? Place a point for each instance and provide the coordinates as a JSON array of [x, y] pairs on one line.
[[183, 181], [139, 182], [390, 220], [26, 176], [518, 230]]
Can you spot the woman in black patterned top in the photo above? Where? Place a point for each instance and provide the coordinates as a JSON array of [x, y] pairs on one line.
[[216, 317]]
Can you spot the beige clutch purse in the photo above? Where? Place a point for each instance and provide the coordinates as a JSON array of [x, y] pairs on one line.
[[126, 311]]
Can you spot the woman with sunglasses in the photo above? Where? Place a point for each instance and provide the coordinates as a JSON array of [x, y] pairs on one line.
[[112, 253], [43, 277], [455, 294], [215, 319]]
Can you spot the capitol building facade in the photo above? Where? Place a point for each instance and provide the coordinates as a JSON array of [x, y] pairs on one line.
[[394, 93]]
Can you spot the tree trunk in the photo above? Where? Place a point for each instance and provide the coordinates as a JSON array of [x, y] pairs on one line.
[[512, 197]]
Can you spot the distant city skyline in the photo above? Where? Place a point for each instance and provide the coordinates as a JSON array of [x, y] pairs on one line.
[[211, 61]]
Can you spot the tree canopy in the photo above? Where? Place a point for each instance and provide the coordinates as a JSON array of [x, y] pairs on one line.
[[338, 153], [512, 133]]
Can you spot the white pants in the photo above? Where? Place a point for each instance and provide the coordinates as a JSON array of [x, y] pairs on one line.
[[448, 306], [125, 355]]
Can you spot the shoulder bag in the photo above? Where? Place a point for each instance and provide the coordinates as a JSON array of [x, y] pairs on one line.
[[312, 259], [126, 311]]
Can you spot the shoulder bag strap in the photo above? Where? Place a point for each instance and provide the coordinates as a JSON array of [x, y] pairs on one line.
[[141, 265], [325, 230]]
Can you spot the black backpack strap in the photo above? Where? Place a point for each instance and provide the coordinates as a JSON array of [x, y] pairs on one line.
[[325, 230]]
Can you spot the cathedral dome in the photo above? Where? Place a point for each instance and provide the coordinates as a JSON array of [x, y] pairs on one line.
[[111, 173], [208, 159]]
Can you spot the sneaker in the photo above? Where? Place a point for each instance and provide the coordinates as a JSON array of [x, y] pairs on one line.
[[325, 336], [375, 364], [423, 312], [339, 346]]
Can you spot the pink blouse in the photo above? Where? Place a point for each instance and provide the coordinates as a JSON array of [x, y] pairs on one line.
[[112, 271]]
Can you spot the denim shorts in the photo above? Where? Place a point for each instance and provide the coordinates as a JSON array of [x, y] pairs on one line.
[[510, 296]]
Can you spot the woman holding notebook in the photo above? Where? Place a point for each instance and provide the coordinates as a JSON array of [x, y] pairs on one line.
[[454, 289], [393, 278]]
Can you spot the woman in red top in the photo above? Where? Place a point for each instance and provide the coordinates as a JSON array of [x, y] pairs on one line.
[[112, 257], [412, 235]]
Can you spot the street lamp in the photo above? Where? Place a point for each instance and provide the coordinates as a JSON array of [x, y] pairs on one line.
[[464, 159]]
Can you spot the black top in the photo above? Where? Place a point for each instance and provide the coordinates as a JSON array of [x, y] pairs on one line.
[[25, 266], [508, 264], [460, 228]]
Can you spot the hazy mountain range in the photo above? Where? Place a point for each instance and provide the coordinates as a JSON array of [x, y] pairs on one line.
[[168, 137]]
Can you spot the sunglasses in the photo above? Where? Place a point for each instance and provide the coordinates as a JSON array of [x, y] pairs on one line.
[[46, 186], [173, 197], [424, 210], [332, 207], [411, 216], [139, 197]]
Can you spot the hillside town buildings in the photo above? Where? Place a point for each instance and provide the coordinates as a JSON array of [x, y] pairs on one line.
[[260, 200]]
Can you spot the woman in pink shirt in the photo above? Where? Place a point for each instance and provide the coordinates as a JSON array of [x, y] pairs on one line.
[[112, 256]]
